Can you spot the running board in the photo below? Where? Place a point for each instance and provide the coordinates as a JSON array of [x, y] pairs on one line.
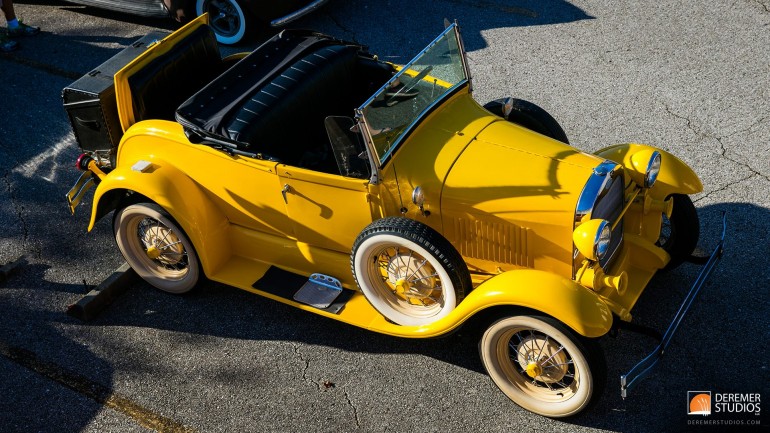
[[319, 291]]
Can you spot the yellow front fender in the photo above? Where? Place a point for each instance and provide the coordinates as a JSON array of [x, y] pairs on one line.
[[565, 300], [572, 304], [175, 192], [675, 176]]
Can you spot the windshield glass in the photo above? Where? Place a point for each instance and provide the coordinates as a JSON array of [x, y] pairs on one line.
[[414, 90]]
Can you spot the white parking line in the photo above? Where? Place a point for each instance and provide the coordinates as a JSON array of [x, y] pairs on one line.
[[46, 163]]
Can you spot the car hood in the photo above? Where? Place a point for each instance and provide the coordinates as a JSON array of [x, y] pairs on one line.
[[511, 195]]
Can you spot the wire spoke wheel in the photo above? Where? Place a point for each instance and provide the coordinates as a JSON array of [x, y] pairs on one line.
[[224, 17], [408, 281], [542, 366], [156, 248], [161, 245], [408, 272]]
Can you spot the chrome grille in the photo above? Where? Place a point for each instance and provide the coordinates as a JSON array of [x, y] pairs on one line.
[[602, 198], [609, 206]]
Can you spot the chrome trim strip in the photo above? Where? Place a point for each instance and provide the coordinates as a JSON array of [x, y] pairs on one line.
[[278, 22], [463, 58], [629, 380], [363, 129], [594, 187], [598, 185]]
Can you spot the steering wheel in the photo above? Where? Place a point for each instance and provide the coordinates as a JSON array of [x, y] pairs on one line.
[[407, 87]]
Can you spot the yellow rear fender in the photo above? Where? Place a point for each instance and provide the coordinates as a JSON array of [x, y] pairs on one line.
[[675, 176], [572, 304], [164, 184]]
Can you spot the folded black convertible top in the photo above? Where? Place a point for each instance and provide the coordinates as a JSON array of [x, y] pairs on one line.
[[211, 111]]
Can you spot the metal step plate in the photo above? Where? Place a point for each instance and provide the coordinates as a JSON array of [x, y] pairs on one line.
[[319, 291]]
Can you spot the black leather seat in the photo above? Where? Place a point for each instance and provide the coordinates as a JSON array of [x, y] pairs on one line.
[[274, 101], [168, 80], [285, 117]]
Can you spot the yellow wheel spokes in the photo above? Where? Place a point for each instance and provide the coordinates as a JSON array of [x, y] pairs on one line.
[[409, 277], [542, 366], [161, 244]]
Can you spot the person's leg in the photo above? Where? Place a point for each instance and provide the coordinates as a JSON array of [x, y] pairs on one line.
[[6, 44], [16, 28], [7, 7]]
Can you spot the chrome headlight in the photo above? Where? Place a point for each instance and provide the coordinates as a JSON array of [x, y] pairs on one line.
[[592, 238], [602, 239], [645, 167], [653, 168], [418, 196]]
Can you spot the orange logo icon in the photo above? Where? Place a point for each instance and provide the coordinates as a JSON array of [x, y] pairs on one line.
[[699, 403]]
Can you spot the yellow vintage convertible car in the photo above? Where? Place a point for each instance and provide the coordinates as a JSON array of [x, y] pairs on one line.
[[313, 173]]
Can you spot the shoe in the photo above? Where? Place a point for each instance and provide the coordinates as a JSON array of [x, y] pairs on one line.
[[23, 30], [7, 45]]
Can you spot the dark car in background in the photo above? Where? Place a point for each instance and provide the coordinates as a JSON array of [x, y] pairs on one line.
[[230, 19]]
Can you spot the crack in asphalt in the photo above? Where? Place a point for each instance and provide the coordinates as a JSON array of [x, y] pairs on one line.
[[306, 366], [764, 6], [18, 209], [735, 182], [355, 409], [723, 149], [324, 386]]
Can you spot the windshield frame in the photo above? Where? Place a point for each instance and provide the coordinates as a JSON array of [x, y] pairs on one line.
[[380, 160]]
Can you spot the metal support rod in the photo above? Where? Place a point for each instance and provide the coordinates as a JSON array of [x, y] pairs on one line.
[[644, 367]]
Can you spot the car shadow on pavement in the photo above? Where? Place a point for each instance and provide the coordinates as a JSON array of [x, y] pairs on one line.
[[701, 357], [90, 11], [407, 26], [50, 382], [721, 345]]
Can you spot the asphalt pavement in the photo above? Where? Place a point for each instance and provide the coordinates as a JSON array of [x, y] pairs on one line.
[[690, 77]]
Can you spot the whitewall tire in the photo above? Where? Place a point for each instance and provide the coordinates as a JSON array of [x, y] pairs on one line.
[[408, 271], [542, 365], [156, 248], [226, 17]]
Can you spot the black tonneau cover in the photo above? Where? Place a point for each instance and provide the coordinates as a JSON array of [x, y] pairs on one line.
[[209, 112]]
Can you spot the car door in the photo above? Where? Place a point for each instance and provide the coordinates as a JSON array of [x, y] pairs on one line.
[[326, 210], [246, 190]]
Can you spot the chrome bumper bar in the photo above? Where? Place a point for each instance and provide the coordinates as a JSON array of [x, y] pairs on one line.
[[278, 22], [75, 194], [629, 380]]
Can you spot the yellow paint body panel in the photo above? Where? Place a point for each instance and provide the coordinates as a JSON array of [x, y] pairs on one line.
[[519, 212], [574, 305], [503, 195], [675, 176]]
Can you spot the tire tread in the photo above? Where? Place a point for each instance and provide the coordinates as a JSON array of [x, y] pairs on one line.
[[423, 235]]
